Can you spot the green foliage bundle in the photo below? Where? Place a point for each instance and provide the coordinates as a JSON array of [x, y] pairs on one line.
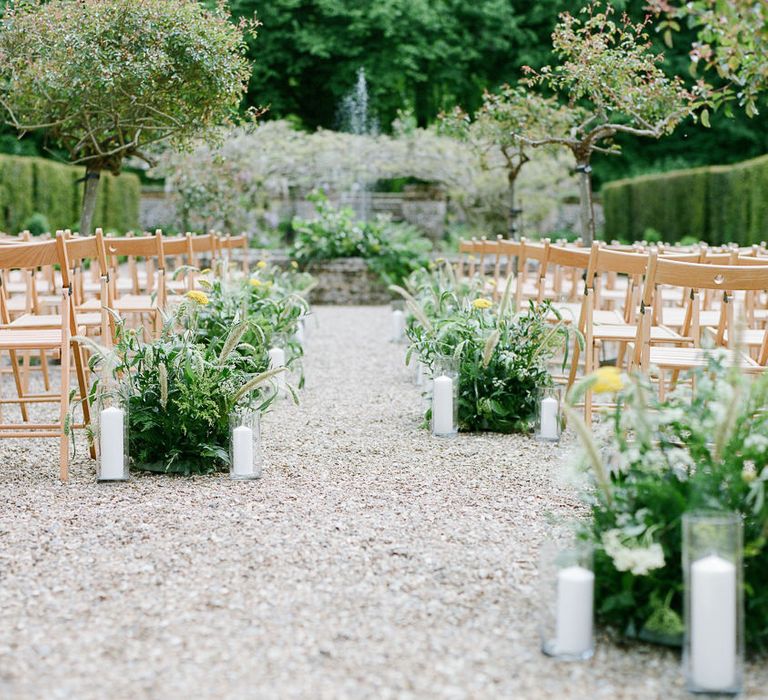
[[653, 461], [180, 392], [393, 251], [720, 204], [503, 355], [272, 302]]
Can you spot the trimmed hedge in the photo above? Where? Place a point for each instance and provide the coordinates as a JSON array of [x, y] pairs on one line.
[[717, 204], [36, 185]]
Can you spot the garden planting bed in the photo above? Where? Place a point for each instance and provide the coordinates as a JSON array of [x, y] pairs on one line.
[[347, 281]]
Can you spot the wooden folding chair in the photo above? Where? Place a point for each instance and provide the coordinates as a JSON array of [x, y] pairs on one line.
[[725, 280], [16, 339], [228, 245], [531, 278], [148, 303]]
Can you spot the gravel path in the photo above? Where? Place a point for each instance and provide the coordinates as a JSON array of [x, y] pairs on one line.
[[371, 561]]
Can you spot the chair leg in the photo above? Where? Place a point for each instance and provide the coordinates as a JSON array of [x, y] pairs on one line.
[[44, 370], [19, 384], [83, 386], [64, 412]]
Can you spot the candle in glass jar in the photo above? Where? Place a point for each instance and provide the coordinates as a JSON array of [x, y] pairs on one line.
[[713, 623], [442, 406], [550, 430], [277, 360], [575, 595], [242, 451], [398, 325], [419, 373], [111, 444]]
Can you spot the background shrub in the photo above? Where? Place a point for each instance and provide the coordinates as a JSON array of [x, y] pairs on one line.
[[716, 204], [52, 192]]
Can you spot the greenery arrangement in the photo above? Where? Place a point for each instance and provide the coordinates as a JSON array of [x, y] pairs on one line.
[[503, 355], [393, 251], [106, 79], [180, 391], [721, 204], [654, 460], [272, 302]]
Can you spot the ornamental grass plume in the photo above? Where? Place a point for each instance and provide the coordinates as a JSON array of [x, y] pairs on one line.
[[198, 297]]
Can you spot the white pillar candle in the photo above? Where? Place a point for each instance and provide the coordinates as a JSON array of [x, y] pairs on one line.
[[277, 360], [713, 623], [550, 430], [111, 446], [398, 325], [242, 451], [442, 405], [575, 595]]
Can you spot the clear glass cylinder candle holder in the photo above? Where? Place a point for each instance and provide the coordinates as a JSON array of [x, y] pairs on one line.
[[445, 396], [567, 589], [549, 416], [713, 650], [245, 458], [397, 332], [112, 438]]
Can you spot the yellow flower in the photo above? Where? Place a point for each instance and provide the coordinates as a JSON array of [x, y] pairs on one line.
[[294, 265], [207, 271], [198, 297], [261, 264], [482, 303], [607, 380], [254, 282], [491, 283]]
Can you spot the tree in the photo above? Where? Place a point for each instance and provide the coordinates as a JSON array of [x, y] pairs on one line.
[[613, 84], [105, 79], [417, 54], [732, 40], [496, 129]]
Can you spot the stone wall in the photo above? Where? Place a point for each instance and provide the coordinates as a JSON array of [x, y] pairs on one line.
[[347, 281]]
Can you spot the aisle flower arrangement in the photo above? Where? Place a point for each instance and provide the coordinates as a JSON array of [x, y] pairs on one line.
[[503, 354], [650, 463], [272, 300], [210, 360]]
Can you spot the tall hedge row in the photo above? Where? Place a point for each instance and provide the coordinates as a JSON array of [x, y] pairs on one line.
[[36, 185], [716, 204]]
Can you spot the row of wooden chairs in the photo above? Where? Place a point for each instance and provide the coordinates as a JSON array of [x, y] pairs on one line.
[[654, 307], [56, 290]]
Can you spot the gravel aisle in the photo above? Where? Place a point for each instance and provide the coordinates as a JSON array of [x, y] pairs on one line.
[[371, 561]]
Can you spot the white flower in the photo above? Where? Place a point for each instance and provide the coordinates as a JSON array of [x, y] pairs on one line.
[[638, 560], [756, 442]]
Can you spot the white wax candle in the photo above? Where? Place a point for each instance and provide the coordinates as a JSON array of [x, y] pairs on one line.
[[442, 405], [550, 430], [398, 325], [276, 360], [575, 595], [242, 450], [713, 623], [111, 443]]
